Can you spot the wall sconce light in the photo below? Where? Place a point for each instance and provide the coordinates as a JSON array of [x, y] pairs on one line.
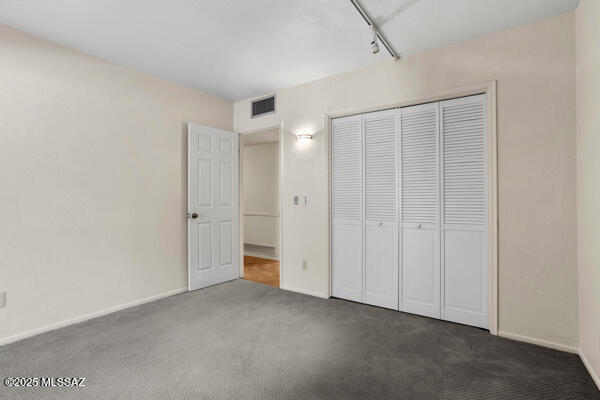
[[303, 139]]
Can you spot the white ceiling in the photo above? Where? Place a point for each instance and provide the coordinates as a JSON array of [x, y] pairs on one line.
[[236, 49]]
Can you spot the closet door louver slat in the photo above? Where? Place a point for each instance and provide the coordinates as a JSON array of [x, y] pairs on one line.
[[380, 168], [346, 170], [464, 163], [419, 165]]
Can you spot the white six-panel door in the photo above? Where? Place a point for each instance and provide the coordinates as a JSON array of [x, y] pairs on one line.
[[213, 213], [409, 209]]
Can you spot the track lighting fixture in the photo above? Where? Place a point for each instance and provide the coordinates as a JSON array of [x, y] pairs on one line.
[[377, 35]]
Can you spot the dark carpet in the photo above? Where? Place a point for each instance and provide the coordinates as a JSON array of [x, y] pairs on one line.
[[242, 340]]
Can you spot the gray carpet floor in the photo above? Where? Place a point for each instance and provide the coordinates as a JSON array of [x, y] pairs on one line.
[[242, 340]]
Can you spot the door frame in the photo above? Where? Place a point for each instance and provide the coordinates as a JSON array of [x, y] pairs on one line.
[[279, 127], [489, 89]]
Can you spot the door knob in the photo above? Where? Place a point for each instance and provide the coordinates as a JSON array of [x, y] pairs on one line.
[[194, 215]]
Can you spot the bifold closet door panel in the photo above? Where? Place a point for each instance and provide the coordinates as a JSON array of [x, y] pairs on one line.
[[465, 277], [420, 223], [347, 273], [380, 140], [464, 211], [346, 208]]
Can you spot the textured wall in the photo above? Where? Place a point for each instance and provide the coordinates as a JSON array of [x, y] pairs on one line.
[[261, 194], [261, 186], [93, 182], [588, 181], [534, 66]]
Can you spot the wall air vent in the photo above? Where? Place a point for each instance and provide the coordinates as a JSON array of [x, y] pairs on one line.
[[263, 106]]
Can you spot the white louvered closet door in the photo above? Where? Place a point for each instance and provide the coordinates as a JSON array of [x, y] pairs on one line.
[[346, 208], [464, 211], [420, 223], [381, 208]]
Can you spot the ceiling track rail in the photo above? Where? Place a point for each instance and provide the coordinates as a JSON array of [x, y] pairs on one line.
[[363, 12]]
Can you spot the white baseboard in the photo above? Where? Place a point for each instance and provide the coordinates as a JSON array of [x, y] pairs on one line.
[[308, 292], [260, 255], [539, 342], [588, 366], [71, 321]]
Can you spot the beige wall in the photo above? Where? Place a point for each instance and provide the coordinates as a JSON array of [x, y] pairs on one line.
[[93, 182], [534, 66], [261, 194], [261, 187], [588, 181]]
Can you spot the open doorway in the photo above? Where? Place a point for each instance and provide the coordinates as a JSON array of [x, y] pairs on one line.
[[260, 206]]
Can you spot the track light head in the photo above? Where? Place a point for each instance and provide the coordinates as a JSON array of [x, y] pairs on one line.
[[374, 44], [374, 47]]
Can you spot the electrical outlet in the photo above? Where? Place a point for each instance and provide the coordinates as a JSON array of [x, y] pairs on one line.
[[2, 299]]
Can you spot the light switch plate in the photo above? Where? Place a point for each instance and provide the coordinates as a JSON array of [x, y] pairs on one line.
[[2, 299]]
